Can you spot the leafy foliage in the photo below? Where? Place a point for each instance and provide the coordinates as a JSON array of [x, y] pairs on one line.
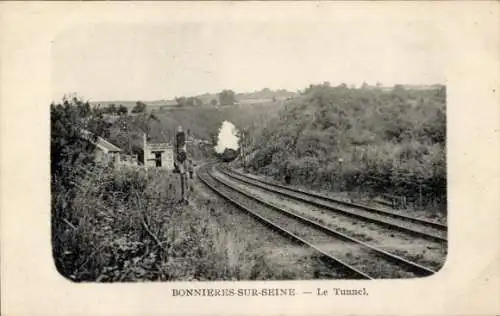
[[227, 97], [122, 224], [113, 109], [70, 155], [140, 107], [344, 138], [125, 226], [190, 101], [68, 147], [122, 110]]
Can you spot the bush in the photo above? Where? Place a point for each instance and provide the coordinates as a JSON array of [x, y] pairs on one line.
[[123, 224], [389, 142], [140, 107]]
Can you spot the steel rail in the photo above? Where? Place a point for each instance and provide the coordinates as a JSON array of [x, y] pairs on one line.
[[330, 199], [353, 272], [309, 198], [410, 266]]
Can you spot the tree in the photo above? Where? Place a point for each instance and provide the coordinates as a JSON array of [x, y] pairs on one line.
[[190, 101], [214, 139], [74, 130], [227, 97], [122, 110], [111, 109], [213, 102], [198, 102], [69, 149], [153, 116], [140, 107], [181, 102]]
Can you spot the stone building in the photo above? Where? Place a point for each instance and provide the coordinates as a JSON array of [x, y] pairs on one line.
[[106, 152], [159, 155]]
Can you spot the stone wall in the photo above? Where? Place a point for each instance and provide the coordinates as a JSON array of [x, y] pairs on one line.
[[159, 155]]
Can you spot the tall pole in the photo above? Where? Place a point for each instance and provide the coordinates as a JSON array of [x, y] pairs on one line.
[[129, 143], [181, 157], [243, 149]]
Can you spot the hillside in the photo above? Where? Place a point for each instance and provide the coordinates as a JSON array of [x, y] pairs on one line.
[[375, 141], [124, 224], [262, 96], [202, 122]]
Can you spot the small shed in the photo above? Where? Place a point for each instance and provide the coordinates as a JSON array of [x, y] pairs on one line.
[[159, 155], [106, 152]]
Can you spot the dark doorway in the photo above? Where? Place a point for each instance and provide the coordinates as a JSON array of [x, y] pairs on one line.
[[158, 158]]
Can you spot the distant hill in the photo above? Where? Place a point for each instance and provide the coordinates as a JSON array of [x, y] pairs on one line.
[[267, 94], [261, 96], [128, 104], [131, 104]]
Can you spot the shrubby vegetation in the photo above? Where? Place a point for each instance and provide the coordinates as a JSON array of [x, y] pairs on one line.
[[114, 110], [140, 107], [358, 139], [123, 224], [266, 93], [203, 122], [227, 97], [70, 156], [68, 149], [190, 101]]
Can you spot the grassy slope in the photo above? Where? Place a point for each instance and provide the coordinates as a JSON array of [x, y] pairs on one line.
[[203, 122], [390, 142], [124, 225]]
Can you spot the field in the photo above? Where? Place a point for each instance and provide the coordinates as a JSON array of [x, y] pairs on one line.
[[264, 96]]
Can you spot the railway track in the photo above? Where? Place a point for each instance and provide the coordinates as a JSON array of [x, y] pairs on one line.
[[358, 259], [409, 225]]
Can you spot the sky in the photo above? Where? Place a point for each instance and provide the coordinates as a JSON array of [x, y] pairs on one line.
[[161, 61]]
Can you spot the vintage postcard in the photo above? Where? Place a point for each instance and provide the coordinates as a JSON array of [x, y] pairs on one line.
[[243, 158]]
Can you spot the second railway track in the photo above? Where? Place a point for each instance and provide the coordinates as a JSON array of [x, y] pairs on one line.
[[413, 226], [360, 259]]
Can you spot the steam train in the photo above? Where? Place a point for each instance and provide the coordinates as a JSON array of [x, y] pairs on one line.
[[228, 155]]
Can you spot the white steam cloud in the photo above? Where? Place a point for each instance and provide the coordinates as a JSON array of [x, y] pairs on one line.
[[227, 138]]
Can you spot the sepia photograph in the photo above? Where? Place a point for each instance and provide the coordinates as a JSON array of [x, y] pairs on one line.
[[249, 158], [247, 151]]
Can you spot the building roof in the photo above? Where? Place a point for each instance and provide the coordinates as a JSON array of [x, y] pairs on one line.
[[104, 144], [101, 143]]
